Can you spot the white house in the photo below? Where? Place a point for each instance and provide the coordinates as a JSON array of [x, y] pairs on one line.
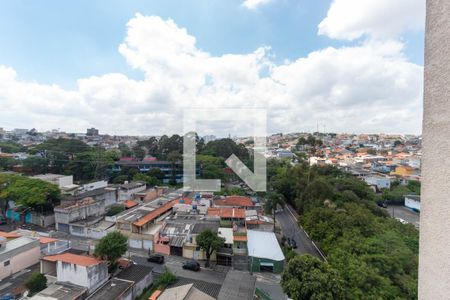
[[81, 270], [379, 181]]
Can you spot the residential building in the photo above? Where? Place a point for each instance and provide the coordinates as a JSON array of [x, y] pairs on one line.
[[82, 270], [128, 190], [141, 277], [66, 215], [264, 251], [114, 289], [379, 182], [18, 254], [64, 182], [238, 286], [184, 292], [109, 195], [61, 291], [235, 201]]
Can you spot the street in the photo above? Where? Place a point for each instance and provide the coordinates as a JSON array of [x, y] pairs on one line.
[[287, 219], [405, 214], [174, 264]]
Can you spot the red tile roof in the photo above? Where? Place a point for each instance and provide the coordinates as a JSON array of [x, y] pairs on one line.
[[9, 235], [130, 203], [227, 212], [46, 240], [235, 201], [81, 260], [240, 238], [155, 213]]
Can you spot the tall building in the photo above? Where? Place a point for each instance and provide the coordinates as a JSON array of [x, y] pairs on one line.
[[92, 132]]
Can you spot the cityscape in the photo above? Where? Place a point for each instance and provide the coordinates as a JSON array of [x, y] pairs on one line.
[[224, 150], [91, 191]]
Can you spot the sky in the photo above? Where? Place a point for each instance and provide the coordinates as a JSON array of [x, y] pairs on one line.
[[135, 67]]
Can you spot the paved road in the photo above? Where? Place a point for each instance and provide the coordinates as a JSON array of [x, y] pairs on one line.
[[174, 264], [405, 214], [287, 219]]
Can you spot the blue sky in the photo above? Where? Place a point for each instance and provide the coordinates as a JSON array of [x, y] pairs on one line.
[[59, 42], [339, 63]]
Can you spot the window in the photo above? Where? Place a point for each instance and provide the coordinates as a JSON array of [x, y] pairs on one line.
[[6, 263]]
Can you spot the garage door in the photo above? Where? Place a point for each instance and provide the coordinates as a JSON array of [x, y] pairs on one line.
[[148, 245], [266, 266], [137, 244]]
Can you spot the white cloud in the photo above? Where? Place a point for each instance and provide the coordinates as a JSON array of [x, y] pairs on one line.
[[254, 4], [367, 88], [352, 19]]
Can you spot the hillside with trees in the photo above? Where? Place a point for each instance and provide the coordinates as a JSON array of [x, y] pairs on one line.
[[369, 255]]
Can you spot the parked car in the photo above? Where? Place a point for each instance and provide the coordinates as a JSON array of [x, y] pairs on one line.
[[156, 258], [293, 244], [382, 204], [191, 265]]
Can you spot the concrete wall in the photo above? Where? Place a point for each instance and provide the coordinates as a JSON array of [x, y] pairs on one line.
[[434, 258], [20, 261], [90, 277]]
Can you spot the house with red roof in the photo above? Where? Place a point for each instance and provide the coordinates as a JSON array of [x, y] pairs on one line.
[[81, 270]]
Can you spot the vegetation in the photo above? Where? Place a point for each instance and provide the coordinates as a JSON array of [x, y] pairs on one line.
[[36, 283], [209, 242], [370, 255], [273, 200], [114, 210], [306, 277], [161, 282], [11, 147], [112, 247], [28, 192]]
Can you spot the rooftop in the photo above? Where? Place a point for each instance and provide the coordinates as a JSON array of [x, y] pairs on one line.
[[60, 291], [155, 213], [264, 244], [234, 201], [237, 286], [112, 290], [227, 212], [211, 289], [130, 203], [81, 260], [135, 273]]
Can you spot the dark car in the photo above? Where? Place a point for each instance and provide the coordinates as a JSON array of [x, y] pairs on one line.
[[191, 265], [293, 244], [382, 204], [2, 220], [156, 258]]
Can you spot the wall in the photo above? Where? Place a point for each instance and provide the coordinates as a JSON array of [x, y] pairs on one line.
[[413, 204], [20, 261], [91, 276], [434, 258]]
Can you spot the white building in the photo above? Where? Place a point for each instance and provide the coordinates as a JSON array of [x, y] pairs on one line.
[[412, 202], [18, 254], [379, 181], [82, 270]]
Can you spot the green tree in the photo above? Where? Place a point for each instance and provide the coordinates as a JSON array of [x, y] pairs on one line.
[[36, 283], [209, 242], [28, 192], [37, 165], [112, 246], [273, 200], [307, 278], [149, 180]]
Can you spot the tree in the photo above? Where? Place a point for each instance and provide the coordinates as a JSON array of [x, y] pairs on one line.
[[149, 180], [273, 199], [308, 278], [209, 242], [112, 246], [36, 283], [28, 192], [37, 165]]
